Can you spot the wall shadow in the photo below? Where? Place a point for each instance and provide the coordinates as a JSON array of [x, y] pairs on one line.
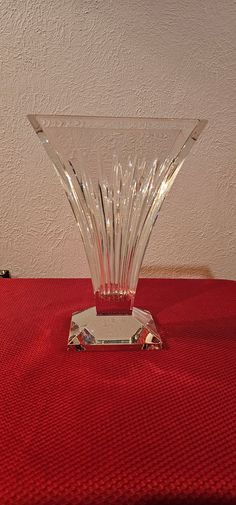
[[157, 270]]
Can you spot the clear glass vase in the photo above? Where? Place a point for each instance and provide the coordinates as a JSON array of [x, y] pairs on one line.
[[116, 173]]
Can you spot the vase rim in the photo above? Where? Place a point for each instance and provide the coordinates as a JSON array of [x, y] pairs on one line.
[[156, 118]]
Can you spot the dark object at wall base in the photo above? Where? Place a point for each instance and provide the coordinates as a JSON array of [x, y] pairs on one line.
[[5, 274]]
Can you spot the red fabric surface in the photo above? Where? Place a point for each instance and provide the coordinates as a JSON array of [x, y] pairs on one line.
[[117, 427]]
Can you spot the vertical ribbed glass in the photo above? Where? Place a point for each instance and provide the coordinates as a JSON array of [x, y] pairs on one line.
[[116, 173]]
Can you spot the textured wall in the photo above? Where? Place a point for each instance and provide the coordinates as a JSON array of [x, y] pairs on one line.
[[153, 57]]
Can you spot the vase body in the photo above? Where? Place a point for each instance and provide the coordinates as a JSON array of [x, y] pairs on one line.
[[116, 173]]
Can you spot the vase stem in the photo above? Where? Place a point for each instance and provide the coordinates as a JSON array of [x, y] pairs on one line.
[[113, 300]]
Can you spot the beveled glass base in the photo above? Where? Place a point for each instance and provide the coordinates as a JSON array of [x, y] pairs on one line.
[[89, 331]]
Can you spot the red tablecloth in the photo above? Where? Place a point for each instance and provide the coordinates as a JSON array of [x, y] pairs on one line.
[[117, 427]]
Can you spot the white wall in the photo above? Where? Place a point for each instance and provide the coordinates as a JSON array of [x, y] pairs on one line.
[[174, 58]]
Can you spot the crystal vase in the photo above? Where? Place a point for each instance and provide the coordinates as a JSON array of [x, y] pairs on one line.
[[116, 173]]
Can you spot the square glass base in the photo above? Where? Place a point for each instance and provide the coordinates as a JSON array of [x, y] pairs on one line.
[[89, 331]]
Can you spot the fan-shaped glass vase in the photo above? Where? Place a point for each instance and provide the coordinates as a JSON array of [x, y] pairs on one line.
[[116, 173]]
